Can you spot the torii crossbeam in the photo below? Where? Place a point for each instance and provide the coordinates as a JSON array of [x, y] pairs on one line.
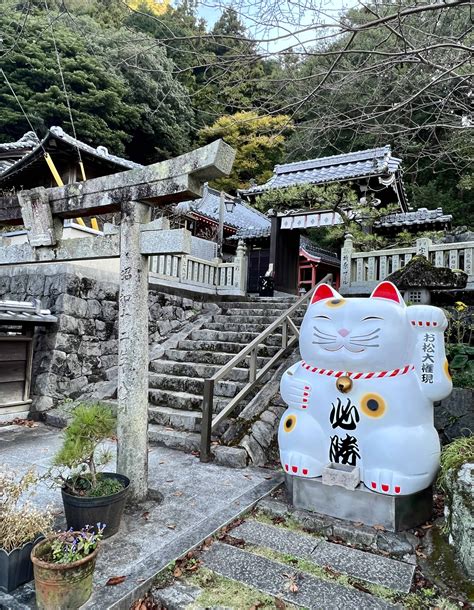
[[132, 193]]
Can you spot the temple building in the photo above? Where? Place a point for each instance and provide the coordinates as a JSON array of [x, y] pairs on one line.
[[373, 172]]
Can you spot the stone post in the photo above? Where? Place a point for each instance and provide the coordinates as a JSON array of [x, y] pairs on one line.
[[423, 247], [241, 262], [132, 414], [346, 262]]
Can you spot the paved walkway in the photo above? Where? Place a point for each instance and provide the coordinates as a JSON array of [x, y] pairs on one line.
[[198, 499]]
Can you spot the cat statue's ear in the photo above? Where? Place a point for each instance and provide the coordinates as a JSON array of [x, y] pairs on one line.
[[324, 291], [388, 291]]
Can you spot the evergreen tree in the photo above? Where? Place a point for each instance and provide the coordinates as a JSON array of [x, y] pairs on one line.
[[122, 90]]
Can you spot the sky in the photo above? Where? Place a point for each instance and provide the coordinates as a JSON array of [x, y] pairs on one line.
[[272, 19]]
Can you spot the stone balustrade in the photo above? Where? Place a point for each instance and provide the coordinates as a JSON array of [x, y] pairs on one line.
[[361, 271], [208, 276]]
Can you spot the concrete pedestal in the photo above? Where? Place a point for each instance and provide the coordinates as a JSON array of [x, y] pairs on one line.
[[395, 513]]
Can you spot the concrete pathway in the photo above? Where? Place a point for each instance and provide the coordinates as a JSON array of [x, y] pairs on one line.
[[198, 499]]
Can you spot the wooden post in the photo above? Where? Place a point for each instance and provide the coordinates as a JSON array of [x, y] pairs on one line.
[[132, 415], [220, 230]]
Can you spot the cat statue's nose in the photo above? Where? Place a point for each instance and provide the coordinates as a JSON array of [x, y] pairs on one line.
[[343, 332]]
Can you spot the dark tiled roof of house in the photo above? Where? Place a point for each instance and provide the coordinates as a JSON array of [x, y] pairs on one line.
[[364, 163], [422, 216], [242, 217], [21, 311], [13, 155], [313, 251]]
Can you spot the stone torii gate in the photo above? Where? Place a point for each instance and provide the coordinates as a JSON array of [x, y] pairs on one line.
[[132, 193]]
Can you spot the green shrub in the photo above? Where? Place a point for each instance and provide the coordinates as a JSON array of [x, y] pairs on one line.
[[90, 426]]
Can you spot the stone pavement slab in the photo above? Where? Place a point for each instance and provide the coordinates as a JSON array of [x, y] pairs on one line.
[[274, 578], [376, 569], [198, 499]]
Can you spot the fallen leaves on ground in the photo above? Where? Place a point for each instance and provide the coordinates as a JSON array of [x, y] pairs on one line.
[[291, 585], [331, 571], [115, 580], [28, 423], [280, 604], [146, 603], [171, 526], [146, 515], [379, 528], [360, 587]]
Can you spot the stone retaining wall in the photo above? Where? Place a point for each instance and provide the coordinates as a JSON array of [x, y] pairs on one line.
[[454, 415], [459, 511], [80, 352]]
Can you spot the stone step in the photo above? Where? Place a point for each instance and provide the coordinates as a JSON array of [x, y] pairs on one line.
[[274, 578], [263, 319], [254, 311], [244, 338], [231, 326], [257, 304], [223, 346], [379, 570], [243, 319], [211, 358], [174, 439], [192, 385], [178, 419], [182, 400], [196, 369]]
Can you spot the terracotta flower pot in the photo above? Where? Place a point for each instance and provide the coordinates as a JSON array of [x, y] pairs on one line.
[[61, 585]]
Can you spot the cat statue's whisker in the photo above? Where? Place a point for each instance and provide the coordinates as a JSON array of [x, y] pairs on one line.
[[323, 342], [321, 332], [373, 332], [323, 337], [364, 344], [364, 339]]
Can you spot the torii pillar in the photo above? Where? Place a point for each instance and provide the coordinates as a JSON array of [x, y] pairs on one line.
[[132, 416], [132, 192]]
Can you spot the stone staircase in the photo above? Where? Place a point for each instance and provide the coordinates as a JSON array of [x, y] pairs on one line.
[[272, 557], [177, 377]]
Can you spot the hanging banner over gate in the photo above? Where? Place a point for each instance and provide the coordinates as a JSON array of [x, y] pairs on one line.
[[307, 221]]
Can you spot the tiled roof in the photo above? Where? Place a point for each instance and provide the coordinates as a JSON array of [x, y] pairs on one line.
[[418, 217], [314, 251], [243, 215], [372, 162], [100, 151], [10, 152], [21, 311], [251, 232], [29, 144]]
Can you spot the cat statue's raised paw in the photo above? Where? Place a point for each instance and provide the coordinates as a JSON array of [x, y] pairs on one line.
[[363, 394]]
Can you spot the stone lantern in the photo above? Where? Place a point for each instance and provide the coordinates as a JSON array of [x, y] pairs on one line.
[[418, 278]]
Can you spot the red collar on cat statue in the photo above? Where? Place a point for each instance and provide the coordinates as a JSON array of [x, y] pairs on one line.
[[355, 375], [344, 379]]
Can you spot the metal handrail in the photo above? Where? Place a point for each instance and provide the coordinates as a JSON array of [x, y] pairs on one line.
[[208, 422]]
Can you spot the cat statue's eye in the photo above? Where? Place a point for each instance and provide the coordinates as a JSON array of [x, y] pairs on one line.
[[322, 317], [371, 318]]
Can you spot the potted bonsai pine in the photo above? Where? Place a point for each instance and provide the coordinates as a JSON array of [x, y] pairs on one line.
[[90, 496], [64, 566], [21, 525]]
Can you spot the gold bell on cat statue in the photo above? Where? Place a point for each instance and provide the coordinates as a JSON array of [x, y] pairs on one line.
[[344, 384]]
